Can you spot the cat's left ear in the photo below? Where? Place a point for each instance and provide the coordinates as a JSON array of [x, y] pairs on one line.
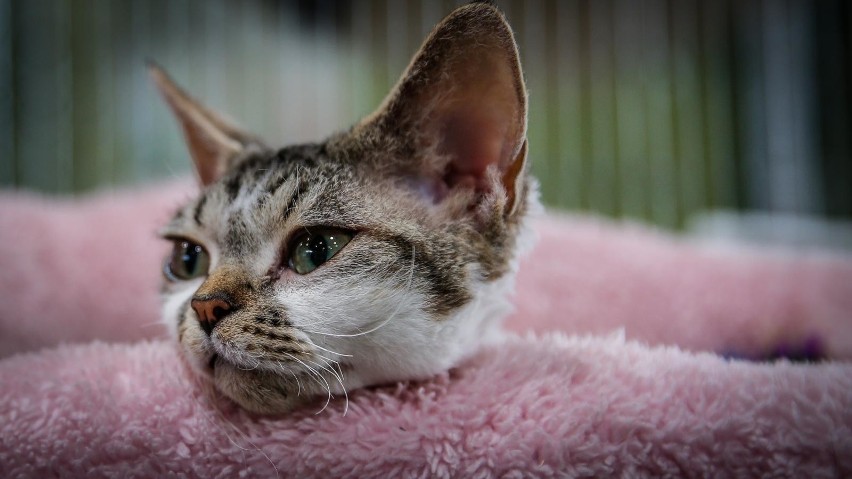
[[460, 109], [213, 143]]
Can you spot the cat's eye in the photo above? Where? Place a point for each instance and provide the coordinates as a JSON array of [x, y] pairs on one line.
[[311, 250], [188, 261]]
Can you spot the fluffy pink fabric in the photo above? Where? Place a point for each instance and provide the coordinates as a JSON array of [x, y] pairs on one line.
[[543, 404], [78, 270]]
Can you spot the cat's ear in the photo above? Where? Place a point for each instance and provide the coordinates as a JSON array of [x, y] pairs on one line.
[[461, 107], [213, 143]]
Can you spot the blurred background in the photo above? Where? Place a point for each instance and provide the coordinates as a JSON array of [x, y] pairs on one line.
[[721, 116]]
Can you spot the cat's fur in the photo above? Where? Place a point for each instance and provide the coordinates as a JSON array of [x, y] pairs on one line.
[[435, 188]]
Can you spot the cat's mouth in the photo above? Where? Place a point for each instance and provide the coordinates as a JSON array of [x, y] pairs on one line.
[[261, 388]]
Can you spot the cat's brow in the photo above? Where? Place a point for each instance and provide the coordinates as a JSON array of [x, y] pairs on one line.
[[275, 183], [199, 207], [245, 172], [298, 191], [238, 238]]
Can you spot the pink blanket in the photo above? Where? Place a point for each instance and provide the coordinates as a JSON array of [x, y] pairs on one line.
[[644, 396]]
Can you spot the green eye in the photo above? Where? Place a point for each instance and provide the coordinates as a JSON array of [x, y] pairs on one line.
[[188, 261], [311, 250]]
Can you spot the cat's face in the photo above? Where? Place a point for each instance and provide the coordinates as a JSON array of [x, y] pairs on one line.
[[384, 253]]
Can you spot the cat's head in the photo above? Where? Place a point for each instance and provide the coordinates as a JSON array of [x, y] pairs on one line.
[[385, 253]]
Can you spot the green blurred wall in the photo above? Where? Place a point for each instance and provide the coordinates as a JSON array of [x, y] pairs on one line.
[[645, 109]]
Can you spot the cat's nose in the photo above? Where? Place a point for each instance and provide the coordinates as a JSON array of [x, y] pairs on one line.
[[210, 311]]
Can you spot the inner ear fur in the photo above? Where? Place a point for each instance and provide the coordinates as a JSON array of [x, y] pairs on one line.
[[460, 108], [213, 143]]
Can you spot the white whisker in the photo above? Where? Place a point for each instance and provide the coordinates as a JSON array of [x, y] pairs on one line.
[[330, 351], [244, 368], [383, 323], [329, 362], [298, 383], [316, 375], [340, 381]]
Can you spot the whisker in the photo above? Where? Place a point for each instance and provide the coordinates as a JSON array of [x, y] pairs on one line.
[[329, 362], [256, 355], [252, 368], [298, 383], [317, 375], [326, 366], [330, 351], [229, 356], [383, 323], [340, 381]]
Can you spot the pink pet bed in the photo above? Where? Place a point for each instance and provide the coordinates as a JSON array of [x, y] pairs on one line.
[[623, 365]]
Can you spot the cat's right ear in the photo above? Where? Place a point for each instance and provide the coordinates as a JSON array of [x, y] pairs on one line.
[[213, 143], [457, 118]]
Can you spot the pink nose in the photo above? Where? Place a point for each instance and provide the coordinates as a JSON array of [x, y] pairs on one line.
[[210, 312]]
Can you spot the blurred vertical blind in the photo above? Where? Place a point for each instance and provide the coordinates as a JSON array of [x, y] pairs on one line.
[[650, 109]]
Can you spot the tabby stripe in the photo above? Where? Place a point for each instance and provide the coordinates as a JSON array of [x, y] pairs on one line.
[[199, 207], [302, 154], [285, 350], [272, 185], [234, 182], [237, 237], [232, 186], [275, 184], [447, 287], [291, 205], [270, 335]]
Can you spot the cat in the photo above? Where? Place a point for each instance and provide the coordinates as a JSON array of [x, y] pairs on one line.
[[385, 253]]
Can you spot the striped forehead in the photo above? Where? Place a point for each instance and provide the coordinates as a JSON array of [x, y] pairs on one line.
[[252, 200]]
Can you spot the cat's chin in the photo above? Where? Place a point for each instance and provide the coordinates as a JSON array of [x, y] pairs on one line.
[[256, 390], [252, 387]]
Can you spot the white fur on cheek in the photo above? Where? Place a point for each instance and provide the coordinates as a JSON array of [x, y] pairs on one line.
[[174, 301], [382, 330], [193, 341], [377, 327]]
